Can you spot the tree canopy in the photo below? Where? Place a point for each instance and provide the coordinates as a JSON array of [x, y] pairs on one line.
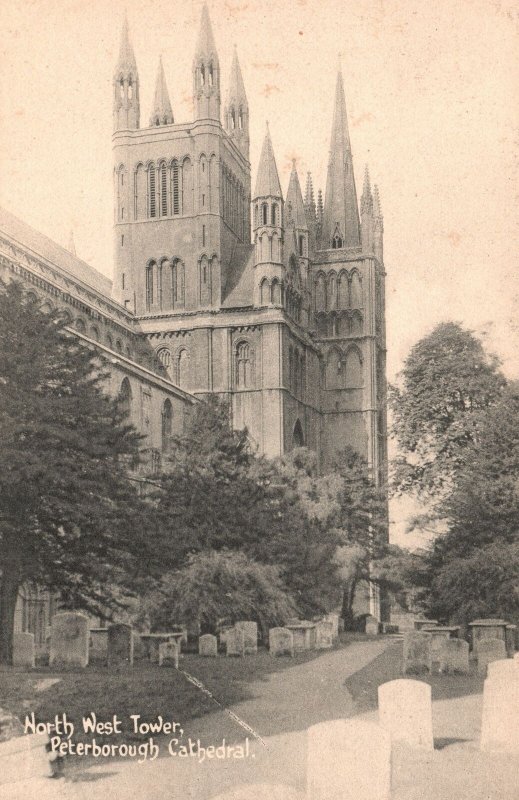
[[71, 518]]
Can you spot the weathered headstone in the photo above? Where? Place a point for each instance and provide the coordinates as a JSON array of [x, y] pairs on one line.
[[348, 760], [417, 653], [499, 727], [235, 642], [23, 650], [98, 642], [250, 634], [120, 645], [454, 656], [169, 654], [208, 645], [505, 669], [372, 626], [324, 634], [424, 623], [304, 633], [69, 639], [482, 629], [281, 642], [439, 635], [405, 712], [490, 650], [334, 619]]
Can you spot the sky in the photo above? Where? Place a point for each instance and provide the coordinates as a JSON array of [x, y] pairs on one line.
[[432, 98]]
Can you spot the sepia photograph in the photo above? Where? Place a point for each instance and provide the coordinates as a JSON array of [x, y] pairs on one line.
[[259, 400]]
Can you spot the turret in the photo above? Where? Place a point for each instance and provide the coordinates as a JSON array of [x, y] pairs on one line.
[[341, 226], [161, 113], [268, 229], [366, 215], [378, 227], [237, 109], [126, 107], [311, 213], [206, 72], [297, 294]]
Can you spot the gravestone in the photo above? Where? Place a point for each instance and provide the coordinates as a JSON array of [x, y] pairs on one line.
[[235, 642], [324, 634], [169, 654], [208, 645], [120, 646], [348, 759], [250, 634], [482, 629], [304, 633], [499, 727], [510, 634], [505, 669], [440, 634], [69, 639], [405, 712], [98, 642], [417, 653], [454, 656], [372, 626], [334, 619], [281, 642], [23, 650], [424, 623], [490, 650]]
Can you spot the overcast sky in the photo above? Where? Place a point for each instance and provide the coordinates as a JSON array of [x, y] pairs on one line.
[[431, 92]]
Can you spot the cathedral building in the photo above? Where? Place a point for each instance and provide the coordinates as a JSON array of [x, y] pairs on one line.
[[272, 301]]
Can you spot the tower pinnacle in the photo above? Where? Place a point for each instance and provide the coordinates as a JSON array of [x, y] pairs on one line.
[[126, 108], [294, 205], [341, 215], [366, 201], [237, 108], [162, 113], [206, 72], [267, 181]]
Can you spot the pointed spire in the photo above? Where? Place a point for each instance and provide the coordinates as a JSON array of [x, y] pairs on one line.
[[236, 93], [366, 201], [267, 181], [377, 211], [294, 201], [126, 55], [320, 208], [205, 44], [341, 225], [309, 192], [71, 245], [162, 113]]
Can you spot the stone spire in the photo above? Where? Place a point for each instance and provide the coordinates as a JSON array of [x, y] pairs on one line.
[[377, 211], [267, 181], [295, 210], [366, 201], [206, 72], [341, 226], [126, 108], [309, 193], [237, 108], [162, 113]]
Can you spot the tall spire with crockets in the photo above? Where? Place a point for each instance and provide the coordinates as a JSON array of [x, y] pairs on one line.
[[162, 113], [237, 109], [126, 86], [206, 72], [341, 227]]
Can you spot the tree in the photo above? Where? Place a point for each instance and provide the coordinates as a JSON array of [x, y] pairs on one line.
[[222, 585], [447, 379], [71, 518]]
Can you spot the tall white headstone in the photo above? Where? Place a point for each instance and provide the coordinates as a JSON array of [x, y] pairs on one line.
[[499, 723], [348, 759], [69, 639], [405, 712]]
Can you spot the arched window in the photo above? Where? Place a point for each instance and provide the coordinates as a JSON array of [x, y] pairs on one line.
[[356, 324], [343, 326], [164, 357], [109, 342], [202, 75], [80, 326], [187, 187], [119, 346], [175, 188], [46, 308], [320, 293], [335, 371], [275, 254], [182, 376], [298, 439], [331, 294], [205, 281], [337, 239], [167, 425], [276, 292], [322, 325], [264, 292], [264, 214], [139, 193], [301, 243], [356, 290], [125, 398], [274, 214], [149, 284], [343, 290], [353, 369], [95, 333], [243, 366], [163, 189], [177, 283], [152, 191]]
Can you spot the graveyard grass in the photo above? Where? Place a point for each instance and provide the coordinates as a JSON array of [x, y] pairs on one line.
[[145, 689]]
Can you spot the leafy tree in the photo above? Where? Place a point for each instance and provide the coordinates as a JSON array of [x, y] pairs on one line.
[[70, 517], [215, 585], [447, 379]]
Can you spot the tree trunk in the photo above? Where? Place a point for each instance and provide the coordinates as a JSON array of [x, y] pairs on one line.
[[9, 586], [348, 598]]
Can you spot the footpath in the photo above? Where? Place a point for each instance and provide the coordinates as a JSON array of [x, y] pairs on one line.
[[281, 709]]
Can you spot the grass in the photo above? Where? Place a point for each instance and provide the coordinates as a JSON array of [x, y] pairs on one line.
[[363, 685], [145, 689]]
